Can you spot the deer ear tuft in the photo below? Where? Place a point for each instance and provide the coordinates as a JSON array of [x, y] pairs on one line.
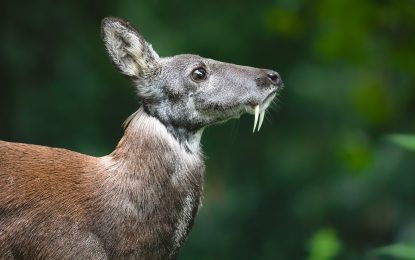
[[128, 50]]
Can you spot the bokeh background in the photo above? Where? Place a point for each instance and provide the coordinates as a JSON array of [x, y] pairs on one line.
[[322, 180]]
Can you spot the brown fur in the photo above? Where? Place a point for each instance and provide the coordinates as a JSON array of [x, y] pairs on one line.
[[59, 204]]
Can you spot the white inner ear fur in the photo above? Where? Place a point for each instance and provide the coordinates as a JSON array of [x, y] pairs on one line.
[[145, 58], [131, 53]]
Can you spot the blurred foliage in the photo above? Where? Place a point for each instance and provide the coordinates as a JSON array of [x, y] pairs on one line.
[[321, 159], [324, 245], [398, 251], [405, 141], [401, 250]]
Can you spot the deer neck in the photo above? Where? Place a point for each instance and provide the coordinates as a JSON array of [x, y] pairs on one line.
[[148, 147], [156, 178]]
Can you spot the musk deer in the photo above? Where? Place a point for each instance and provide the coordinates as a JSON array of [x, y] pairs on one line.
[[138, 202]]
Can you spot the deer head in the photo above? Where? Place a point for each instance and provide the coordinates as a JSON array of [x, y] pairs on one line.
[[188, 92]]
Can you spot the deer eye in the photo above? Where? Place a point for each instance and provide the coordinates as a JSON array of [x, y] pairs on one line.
[[199, 74]]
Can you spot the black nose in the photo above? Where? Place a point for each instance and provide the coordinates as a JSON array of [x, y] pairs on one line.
[[274, 78]]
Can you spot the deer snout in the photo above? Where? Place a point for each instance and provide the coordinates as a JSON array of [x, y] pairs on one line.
[[268, 78], [274, 78]]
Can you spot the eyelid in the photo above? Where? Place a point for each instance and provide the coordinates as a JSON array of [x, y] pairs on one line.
[[199, 65], [196, 66]]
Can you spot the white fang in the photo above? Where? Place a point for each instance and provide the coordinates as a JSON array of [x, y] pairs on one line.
[[256, 117], [261, 119]]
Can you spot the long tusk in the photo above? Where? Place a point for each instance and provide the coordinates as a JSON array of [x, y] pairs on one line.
[[256, 117], [261, 119]]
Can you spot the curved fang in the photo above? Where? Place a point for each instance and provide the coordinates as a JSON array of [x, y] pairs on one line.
[[256, 117], [261, 119]]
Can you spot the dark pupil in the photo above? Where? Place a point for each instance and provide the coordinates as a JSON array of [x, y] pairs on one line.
[[199, 74]]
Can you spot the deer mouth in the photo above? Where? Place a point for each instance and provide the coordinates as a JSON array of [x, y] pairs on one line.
[[259, 109]]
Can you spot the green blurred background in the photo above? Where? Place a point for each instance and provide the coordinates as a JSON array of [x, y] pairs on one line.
[[320, 181]]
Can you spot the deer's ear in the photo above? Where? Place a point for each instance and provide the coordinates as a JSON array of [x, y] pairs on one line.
[[130, 53]]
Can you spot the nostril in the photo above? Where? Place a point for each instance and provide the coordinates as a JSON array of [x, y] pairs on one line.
[[273, 77]]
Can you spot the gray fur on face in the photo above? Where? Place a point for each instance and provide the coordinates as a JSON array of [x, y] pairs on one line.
[[169, 92]]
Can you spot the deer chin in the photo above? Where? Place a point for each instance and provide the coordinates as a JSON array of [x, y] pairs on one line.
[[259, 109]]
